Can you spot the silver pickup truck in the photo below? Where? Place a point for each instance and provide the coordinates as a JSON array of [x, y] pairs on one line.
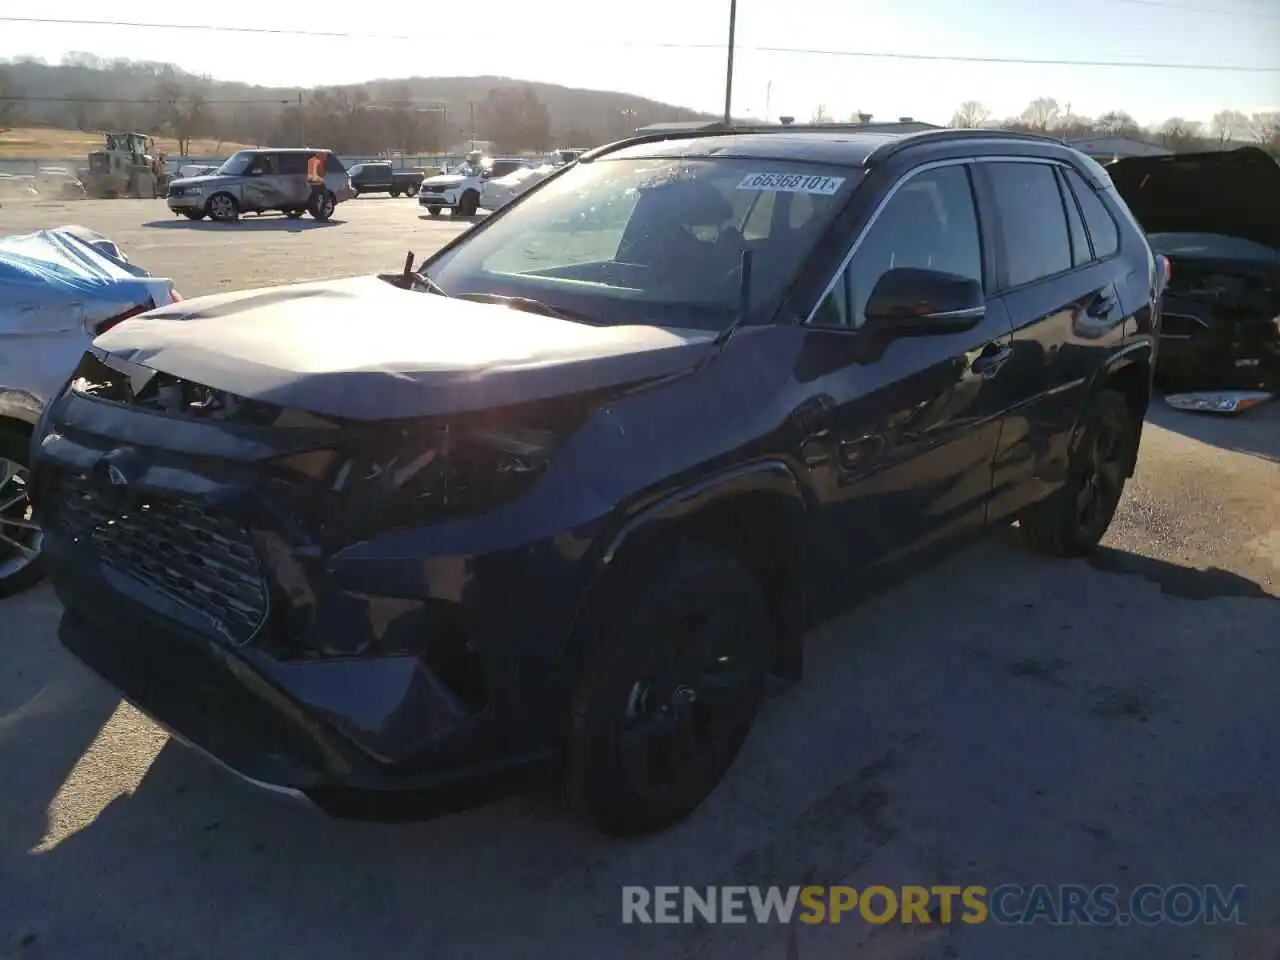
[[256, 181]]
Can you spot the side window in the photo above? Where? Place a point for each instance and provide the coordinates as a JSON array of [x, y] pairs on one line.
[[930, 222], [332, 164], [293, 163], [1036, 240], [1080, 253], [1102, 227]]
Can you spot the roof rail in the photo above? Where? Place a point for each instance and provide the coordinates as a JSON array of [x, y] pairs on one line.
[[880, 154], [720, 130]]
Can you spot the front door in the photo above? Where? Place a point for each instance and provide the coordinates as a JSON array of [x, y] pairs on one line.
[[914, 424], [263, 182]]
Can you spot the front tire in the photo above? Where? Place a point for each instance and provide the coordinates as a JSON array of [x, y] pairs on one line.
[[223, 208], [1074, 520], [193, 214], [434, 211], [468, 204], [678, 670], [395, 194], [21, 542]]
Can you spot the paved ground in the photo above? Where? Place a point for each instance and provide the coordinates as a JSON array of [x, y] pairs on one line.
[[998, 719]]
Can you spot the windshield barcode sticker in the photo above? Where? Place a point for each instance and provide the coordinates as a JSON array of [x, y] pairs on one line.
[[791, 183]]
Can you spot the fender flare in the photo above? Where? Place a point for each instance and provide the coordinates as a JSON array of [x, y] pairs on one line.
[[648, 524], [1135, 354]]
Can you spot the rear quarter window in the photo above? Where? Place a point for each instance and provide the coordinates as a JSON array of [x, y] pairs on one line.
[[1097, 218], [333, 165]]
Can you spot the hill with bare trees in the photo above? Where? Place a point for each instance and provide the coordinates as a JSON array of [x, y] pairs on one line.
[[412, 115]]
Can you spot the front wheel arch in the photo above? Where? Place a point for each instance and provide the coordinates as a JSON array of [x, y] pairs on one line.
[[754, 512]]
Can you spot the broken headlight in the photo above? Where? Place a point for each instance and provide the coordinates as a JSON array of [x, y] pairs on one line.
[[418, 473]]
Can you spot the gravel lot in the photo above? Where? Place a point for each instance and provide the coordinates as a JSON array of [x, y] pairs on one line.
[[998, 719]]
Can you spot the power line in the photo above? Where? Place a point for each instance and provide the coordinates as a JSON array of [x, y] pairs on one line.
[[808, 51]]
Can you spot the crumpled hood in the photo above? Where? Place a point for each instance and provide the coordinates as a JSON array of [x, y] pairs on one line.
[[1235, 193], [444, 180], [366, 350]]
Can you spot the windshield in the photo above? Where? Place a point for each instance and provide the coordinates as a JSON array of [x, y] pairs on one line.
[[653, 240], [501, 168], [1213, 245], [236, 164]]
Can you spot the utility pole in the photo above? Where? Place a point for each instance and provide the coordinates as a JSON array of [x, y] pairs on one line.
[[728, 76], [768, 96], [302, 122], [472, 104]]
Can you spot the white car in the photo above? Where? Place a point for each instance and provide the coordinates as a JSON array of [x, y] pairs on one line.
[[500, 191], [460, 191], [59, 289]]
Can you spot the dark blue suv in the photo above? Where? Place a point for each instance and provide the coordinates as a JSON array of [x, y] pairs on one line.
[[564, 497]]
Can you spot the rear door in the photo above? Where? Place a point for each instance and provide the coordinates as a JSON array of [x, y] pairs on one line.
[[1059, 290], [907, 462], [294, 189]]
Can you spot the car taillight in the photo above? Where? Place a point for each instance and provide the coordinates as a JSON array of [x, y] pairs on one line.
[[1165, 267], [119, 318]]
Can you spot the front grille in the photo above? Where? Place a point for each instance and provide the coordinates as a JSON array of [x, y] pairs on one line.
[[433, 189], [202, 560]]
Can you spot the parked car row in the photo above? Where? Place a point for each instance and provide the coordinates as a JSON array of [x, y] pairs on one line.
[[607, 456]]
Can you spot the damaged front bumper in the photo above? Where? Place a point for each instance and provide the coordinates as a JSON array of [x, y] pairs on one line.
[[400, 683], [1208, 359]]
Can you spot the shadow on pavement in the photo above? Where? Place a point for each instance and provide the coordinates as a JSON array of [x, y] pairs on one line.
[[1188, 583], [1255, 432], [246, 223]]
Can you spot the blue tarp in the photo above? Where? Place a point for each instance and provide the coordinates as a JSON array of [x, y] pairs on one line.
[[69, 278]]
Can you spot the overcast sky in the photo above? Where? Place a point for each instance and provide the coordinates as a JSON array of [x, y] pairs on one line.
[[621, 47]]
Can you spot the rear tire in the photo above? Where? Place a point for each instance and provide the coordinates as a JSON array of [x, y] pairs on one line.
[[1073, 521], [675, 680], [434, 211], [395, 194], [193, 214], [21, 554], [294, 214], [321, 208]]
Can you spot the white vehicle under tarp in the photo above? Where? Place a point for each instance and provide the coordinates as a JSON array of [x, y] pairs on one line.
[[59, 289]]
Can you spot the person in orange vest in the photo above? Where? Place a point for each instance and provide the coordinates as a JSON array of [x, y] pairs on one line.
[[315, 179]]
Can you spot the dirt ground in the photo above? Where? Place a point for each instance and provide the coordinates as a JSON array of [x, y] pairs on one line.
[[45, 142], [999, 719]]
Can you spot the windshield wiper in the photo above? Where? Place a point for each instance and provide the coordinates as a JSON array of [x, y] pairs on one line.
[[744, 311], [528, 305]]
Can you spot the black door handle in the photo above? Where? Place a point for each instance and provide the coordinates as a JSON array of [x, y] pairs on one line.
[[990, 361]]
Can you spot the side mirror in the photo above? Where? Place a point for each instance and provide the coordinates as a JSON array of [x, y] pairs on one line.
[[913, 302]]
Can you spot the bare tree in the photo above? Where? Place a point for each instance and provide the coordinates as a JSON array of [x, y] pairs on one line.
[[183, 114], [1265, 129], [1180, 134], [1117, 123], [1041, 113], [516, 119], [10, 106], [820, 115], [970, 114], [1228, 125]]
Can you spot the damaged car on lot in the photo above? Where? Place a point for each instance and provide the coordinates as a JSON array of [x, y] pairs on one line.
[[58, 290], [1216, 216], [567, 495]]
